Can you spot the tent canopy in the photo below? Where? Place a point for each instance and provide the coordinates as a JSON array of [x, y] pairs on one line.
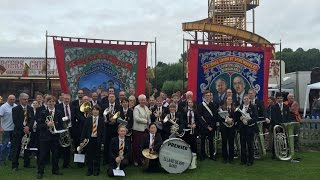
[[309, 87]]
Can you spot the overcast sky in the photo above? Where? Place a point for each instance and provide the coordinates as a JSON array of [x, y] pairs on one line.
[[23, 23]]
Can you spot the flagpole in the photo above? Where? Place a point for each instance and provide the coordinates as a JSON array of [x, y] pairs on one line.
[[46, 61]]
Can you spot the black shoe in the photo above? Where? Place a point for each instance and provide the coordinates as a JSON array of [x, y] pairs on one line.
[[231, 161], [66, 166], [57, 173], [213, 158], [28, 166], [14, 169], [39, 176], [249, 164], [96, 173], [225, 161], [89, 173], [242, 163]]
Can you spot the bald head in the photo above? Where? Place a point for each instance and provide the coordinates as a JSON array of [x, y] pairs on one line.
[[11, 99]]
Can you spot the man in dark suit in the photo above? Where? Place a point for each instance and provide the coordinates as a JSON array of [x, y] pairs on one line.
[[94, 99], [23, 119], [159, 112], [258, 104], [208, 112], [239, 87], [68, 112], [119, 151], [51, 119], [110, 124], [247, 127], [127, 114], [279, 114], [93, 130]]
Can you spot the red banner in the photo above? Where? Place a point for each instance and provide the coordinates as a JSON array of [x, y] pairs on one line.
[[89, 66]]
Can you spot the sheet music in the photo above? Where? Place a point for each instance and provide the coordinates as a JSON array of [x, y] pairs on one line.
[[118, 172], [60, 131], [79, 158], [33, 149]]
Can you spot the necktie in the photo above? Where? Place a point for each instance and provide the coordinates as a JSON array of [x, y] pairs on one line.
[[94, 127], [25, 114], [67, 110], [152, 142], [246, 108], [112, 108], [190, 117], [50, 112], [239, 99], [121, 148]]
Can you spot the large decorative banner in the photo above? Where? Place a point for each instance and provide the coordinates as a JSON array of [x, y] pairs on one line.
[[89, 66], [217, 68]]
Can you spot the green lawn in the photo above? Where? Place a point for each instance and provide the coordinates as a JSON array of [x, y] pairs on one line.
[[308, 168]]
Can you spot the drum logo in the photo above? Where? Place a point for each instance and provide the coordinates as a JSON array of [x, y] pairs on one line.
[[173, 163], [177, 146]]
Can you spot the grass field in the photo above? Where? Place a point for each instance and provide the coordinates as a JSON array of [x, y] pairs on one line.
[[308, 169]]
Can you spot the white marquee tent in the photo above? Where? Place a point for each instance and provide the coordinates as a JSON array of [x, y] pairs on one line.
[[309, 87]]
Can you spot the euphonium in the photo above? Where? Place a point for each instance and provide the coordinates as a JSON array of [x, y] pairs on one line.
[[245, 116], [283, 139], [174, 128], [82, 145], [259, 147], [86, 109], [65, 137], [52, 129]]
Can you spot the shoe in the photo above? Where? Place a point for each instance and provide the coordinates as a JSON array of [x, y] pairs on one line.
[[15, 169], [242, 163], [135, 164], [66, 166], [225, 161], [89, 173], [39, 176], [96, 173], [213, 158], [249, 164], [231, 161], [28, 166], [57, 173]]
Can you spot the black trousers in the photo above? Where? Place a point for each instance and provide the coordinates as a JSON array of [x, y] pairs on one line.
[[45, 148], [16, 147], [209, 135], [64, 152], [93, 151], [246, 140], [113, 165], [110, 132], [191, 140], [227, 136]]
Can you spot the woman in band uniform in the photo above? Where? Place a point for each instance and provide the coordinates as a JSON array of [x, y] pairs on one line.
[[228, 130]]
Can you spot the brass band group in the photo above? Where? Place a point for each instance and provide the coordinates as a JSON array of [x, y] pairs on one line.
[[117, 130]]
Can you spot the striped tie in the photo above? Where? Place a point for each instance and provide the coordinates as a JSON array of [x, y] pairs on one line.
[[152, 143], [94, 127], [25, 116], [121, 148]]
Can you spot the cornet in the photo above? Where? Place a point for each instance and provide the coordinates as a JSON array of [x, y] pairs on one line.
[[52, 129], [82, 145]]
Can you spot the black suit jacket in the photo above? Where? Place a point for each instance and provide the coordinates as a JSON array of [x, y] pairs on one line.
[[145, 143], [45, 134], [18, 118], [114, 150], [277, 116], [87, 130], [260, 108], [196, 120], [209, 120], [165, 111], [61, 108]]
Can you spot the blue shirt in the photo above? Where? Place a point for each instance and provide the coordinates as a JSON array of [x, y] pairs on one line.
[[6, 116]]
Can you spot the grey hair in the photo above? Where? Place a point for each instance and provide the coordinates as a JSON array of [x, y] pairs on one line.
[[132, 98], [142, 96], [290, 94], [23, 95]]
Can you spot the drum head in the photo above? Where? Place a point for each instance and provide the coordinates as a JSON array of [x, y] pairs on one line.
[[146, 154], [175, 155]]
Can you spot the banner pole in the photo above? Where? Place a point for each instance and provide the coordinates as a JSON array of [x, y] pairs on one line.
[[155, 62], [183, 61], [280, 76]]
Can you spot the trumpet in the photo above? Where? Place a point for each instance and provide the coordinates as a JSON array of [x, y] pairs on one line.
[[86, 109], [24, 143], [158, 121], [82, 145], [121, 157], [225, 115], [245, 117]]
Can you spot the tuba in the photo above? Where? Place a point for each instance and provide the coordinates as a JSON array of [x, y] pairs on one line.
[[283, 139], [259, 146], [86, 109], [65, 137], [82, 145]]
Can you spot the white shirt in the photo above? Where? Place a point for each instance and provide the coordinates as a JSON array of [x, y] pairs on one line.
[[6, 116], [53, 111], [123, 140], [245, 107], [192, 113]]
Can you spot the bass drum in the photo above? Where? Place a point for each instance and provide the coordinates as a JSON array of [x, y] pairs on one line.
[[175, 155]]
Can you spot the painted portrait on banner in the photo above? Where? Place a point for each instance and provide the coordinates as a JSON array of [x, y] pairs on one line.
[[222, 68]]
